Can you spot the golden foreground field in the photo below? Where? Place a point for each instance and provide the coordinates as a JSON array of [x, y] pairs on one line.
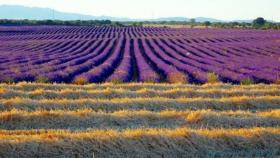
[[139, 120]]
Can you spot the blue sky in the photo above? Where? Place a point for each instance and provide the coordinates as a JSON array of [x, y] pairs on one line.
[[220, 9]]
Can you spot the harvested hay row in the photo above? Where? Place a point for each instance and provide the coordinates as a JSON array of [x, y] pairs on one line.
[[87, 118], [261, 103], [141, 143], [132, 86], [139, 120], [122, 93]]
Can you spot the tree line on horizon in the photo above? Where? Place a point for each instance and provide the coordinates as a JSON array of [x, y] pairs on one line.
[[258, 23]]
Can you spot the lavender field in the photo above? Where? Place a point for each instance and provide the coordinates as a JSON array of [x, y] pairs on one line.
[[137, 54]]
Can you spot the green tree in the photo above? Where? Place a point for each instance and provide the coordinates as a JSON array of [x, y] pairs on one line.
[[192, 22], [259, 22], [235, 24], [269, 25], [207, 23]]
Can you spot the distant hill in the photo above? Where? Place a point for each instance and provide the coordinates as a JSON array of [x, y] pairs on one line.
[[36, 13], [170, 19], [198, 19], [20, 12]]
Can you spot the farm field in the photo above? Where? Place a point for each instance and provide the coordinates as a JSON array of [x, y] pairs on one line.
[[70, 54], [139, 79], [139, 120]]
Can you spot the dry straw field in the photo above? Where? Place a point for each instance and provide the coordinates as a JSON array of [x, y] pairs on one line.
[[139, 120]]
